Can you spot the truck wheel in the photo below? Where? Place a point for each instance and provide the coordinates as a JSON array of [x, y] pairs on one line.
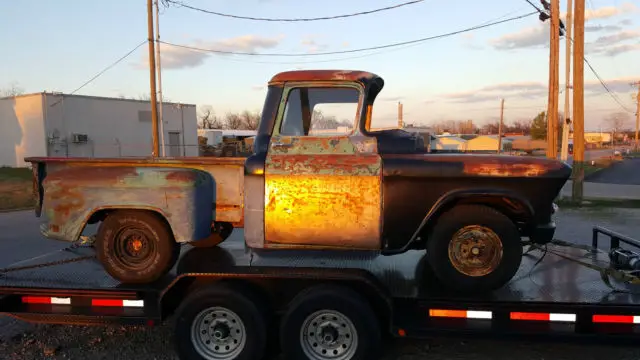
[[328, 322], [474, 248], [220, 323], [136, 246]]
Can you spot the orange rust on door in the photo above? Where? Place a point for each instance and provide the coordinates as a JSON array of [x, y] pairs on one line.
[[322, 193]]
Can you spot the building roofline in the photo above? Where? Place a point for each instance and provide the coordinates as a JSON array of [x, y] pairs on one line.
[[50, 93]]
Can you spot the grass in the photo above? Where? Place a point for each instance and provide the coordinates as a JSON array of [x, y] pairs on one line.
[[566, 202], [15, 188]]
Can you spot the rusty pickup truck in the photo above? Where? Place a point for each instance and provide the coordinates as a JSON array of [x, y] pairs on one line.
[[365, 189]]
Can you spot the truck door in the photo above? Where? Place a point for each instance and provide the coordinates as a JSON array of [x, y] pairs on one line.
[[322, 186]]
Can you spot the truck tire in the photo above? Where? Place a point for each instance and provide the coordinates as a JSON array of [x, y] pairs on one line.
[[330, 322], [474, 248], [136, 246], [220, 322]]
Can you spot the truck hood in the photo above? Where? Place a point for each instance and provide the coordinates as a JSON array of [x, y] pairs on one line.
[[484, 165]]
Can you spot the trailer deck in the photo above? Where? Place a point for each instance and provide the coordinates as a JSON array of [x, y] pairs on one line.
[[549, 292]]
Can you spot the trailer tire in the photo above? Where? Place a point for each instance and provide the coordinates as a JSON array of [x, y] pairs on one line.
[[351, 326], [136, 246], [484, 261], [240, 334]]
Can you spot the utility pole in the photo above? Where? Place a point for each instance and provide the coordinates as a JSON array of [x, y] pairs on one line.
[[400, 117], [152, 80], [564, 154], [554, 68], [637, 83], [500, 126], [578, 102], [159, 71]]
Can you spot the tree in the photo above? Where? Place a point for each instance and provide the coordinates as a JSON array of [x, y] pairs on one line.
[[207, 118], [232, 121], [617, 122], [539, 127], [13, 90], [250, 120]]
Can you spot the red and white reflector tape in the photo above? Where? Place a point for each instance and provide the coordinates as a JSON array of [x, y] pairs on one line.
[[616, 319], [46, 300], [117, 303], [460, 314], [94, 302], [553, 317]]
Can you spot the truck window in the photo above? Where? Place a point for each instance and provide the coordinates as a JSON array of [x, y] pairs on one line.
[[320, 111]]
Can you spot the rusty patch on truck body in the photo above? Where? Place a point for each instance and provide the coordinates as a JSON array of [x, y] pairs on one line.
[[323, 75], [322, 192], [73, 193]]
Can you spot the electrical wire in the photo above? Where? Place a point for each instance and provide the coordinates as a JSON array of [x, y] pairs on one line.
[[352, 50], [182, 4], [602, 82], [105, 69]]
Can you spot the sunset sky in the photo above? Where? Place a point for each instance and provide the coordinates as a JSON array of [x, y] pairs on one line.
[[59, 45]]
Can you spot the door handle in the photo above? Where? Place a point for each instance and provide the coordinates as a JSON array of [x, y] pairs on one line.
[[279, 145]]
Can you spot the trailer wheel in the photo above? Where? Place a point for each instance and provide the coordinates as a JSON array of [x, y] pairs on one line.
[[136, 246], [220, 323], [330, 323], [474, 248]]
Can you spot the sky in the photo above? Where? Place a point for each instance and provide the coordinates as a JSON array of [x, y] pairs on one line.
[[59, 45]]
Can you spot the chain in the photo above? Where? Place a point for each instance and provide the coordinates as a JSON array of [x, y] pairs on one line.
[[84, 242]]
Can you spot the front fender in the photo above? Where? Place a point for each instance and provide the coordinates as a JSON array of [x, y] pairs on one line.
[[182, 196], [514, 204]]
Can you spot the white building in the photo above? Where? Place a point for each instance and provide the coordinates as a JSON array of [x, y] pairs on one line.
[[61, 125]]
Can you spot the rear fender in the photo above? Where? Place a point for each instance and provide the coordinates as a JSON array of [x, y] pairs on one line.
[[74, 195]]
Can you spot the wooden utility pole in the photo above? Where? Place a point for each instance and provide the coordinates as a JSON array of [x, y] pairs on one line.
[[152, 80], [400, 116], [500, 126], [159, 71], [578, 102], [636, 148], [554, 69], [564, 154]]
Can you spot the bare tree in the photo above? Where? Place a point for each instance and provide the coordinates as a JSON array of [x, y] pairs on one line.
[[207, 119], [250, 120], [232, 121], [13, 90], [618, 122]]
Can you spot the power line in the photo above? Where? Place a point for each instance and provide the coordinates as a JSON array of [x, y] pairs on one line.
[[604, 85], [109, 67], [182, 4], [353, 50], [105, 69]]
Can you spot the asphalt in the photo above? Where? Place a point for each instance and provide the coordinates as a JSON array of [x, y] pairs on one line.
[[626, 172]]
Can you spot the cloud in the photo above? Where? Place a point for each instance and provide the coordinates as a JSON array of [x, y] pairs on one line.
[[257, 87], [174, 57], [522, 90], [538, 36], [311, 45], [530, 37], [612, 45], [617, 85], [391, 98]]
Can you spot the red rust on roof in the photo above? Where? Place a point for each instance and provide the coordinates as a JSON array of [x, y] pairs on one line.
[[323, 75]]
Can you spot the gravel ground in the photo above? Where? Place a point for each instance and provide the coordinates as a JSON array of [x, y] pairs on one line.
[[19, 340]]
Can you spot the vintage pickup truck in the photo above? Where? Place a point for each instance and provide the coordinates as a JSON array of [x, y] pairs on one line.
[[377, 191]]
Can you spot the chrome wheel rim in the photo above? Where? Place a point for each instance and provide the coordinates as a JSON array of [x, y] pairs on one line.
[[217, 333], [328, 335]]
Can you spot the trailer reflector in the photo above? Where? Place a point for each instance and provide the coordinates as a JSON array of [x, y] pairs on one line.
[[616, 319], [117, 303], [460, 314], [46, 300], [529, 316]]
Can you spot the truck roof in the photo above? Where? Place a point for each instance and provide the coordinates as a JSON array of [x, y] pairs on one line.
[[325, 75]]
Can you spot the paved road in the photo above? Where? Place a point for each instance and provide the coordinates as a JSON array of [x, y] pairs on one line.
[[19, 239], [626, 172]]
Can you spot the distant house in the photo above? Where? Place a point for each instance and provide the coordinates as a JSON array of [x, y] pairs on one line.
[[62, 125], [487, 143], [448, 143]]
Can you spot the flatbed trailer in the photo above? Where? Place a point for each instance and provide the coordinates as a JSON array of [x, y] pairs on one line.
[[359, 295]]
